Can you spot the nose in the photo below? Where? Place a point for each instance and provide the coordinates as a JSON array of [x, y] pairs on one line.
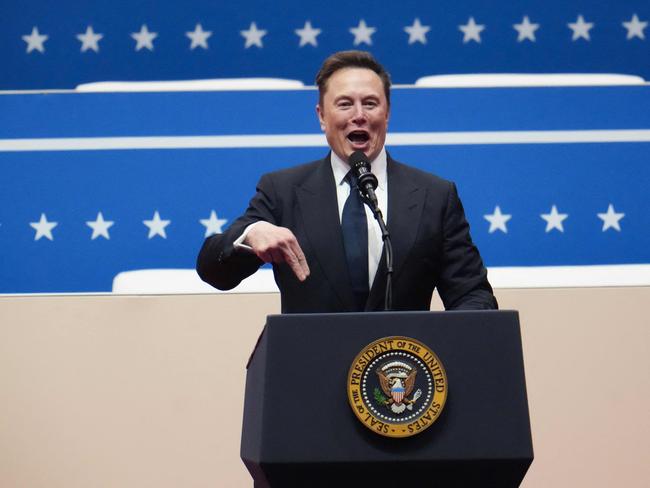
[[359, 115]]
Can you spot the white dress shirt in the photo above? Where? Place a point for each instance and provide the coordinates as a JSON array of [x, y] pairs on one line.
[[340, 169]]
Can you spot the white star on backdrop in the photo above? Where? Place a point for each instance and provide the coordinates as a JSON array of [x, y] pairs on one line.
[[554, 220], [89, 40], [100, 226], [213, 224], [199, 37], [417, 32], [35, 41], [144, 38], [497, 220], [526, 30], [308, 35], [43, 228], [253, 36], [471, 30], [611, 219], [580, 29], [362, 33], [157, 226], [635, 27]]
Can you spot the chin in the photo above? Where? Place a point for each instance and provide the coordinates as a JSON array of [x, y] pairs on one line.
[[365, 150]]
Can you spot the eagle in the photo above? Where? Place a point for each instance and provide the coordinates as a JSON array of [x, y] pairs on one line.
[[398, 387]]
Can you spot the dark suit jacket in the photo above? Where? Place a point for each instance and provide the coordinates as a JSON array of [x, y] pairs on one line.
[[430, 235]]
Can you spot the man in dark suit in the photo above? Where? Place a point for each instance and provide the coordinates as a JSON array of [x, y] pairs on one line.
[[295, 219]]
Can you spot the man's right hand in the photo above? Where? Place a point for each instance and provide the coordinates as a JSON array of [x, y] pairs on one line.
[[273, 244]]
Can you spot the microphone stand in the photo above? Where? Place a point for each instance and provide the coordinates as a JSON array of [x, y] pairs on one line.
[[388, 246]]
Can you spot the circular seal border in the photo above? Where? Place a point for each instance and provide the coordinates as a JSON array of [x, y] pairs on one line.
[[357, 397]]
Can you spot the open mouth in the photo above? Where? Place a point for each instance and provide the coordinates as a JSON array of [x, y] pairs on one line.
[[358, 137]]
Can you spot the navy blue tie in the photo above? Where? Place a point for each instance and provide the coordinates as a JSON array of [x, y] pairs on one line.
[[354, 228]]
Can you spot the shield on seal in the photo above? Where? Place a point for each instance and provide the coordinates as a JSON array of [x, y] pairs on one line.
[[397, 393]]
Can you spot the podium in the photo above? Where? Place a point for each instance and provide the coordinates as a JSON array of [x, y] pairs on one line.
[[299, 429]]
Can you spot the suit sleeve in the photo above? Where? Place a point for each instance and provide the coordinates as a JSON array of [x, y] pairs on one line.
[[463, 283], [222, 265]]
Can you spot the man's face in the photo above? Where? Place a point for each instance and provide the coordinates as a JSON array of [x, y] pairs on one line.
[[354, 112]]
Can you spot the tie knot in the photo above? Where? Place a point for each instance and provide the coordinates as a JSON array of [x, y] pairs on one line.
[[352, 179]]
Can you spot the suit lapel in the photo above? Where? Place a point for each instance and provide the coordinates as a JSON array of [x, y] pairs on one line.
[[319, 208], [405, 204]]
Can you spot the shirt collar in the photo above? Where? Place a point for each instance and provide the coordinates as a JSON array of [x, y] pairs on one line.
[[377, 167]]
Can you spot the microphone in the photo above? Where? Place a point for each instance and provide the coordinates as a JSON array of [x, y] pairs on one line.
[[367, 181]]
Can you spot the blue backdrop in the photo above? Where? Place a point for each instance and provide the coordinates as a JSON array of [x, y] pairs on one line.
[[66, 157], [145, 40]]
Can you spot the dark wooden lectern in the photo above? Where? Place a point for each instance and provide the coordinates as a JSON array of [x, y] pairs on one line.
[[299, 430]]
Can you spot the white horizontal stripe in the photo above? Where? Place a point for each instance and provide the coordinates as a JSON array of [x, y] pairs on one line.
[[183, 281], [570, 276], [517, 137], [187, 281], [162, 142], [318, 140]]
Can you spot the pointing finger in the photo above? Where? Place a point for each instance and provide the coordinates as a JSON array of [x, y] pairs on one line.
[[300, 256], [295, 265]]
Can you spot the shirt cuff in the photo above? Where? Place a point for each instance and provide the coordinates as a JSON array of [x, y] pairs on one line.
[[239, 242]]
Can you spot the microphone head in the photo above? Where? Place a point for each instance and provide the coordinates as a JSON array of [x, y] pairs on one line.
[[361, 167], [358, 158]]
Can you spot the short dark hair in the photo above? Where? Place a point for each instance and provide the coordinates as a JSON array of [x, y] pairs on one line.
[[350, 59]]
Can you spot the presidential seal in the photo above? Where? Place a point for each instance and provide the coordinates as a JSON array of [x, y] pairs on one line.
[[397, 386]]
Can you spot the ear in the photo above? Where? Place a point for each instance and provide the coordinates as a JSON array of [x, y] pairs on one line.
[[319, 111]]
